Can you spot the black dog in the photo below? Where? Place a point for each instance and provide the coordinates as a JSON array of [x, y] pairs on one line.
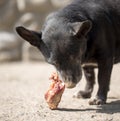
[[84, 34]]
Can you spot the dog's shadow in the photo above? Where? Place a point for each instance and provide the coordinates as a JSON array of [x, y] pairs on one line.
[[74, 109], [109, 108]]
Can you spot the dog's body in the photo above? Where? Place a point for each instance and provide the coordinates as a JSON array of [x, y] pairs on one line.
[[83, 34]]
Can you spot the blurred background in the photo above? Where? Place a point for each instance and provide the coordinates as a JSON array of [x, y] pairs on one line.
[[28, 13]]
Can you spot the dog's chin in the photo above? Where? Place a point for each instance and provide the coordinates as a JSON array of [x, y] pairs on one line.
[[70, 84]]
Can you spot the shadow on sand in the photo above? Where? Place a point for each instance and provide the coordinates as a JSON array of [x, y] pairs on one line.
[[110, 108]]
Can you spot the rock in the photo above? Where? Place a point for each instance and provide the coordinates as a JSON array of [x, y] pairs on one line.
[[10, 47]]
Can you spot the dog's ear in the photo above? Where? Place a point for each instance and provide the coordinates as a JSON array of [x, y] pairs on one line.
[[34, 38], [81, 28]]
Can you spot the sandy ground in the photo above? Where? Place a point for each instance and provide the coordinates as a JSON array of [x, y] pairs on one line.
[[22, 88]]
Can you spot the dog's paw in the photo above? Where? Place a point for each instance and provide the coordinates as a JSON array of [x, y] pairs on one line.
[[97, 101], [82, 94]]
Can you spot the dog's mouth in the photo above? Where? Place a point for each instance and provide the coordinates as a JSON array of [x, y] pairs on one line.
[[70, 84], [70, 77], [68, 81]]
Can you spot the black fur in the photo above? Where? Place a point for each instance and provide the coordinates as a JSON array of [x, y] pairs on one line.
[[83, 34]]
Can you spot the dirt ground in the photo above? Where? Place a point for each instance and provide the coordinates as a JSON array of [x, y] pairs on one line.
[[22, 88]]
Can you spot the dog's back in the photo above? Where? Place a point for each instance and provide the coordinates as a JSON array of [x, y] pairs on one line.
[[105, 16]]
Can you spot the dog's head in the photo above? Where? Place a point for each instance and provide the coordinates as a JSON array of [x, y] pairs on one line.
[[62, 44]]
